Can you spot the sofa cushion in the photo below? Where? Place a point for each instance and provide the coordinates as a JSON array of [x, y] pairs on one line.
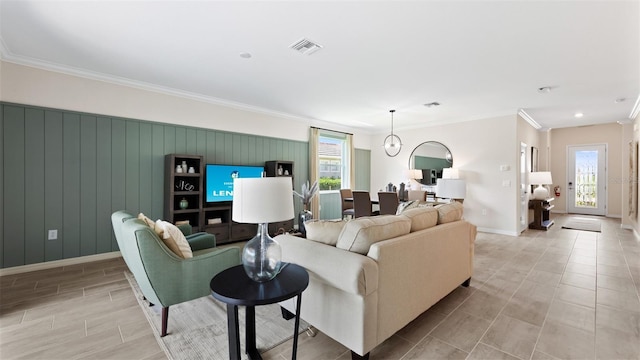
[[174, 239], [358, 234], [449, 212], [422, 217], [324, 231]]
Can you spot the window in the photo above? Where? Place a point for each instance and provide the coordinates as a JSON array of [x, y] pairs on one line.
[[333, 157]]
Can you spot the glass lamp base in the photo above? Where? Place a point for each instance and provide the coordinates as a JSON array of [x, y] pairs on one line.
[[262, 256]]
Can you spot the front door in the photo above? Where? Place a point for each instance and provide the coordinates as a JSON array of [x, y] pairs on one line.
[[586, 179]]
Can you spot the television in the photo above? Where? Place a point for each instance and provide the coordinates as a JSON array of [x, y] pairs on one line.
[[219, 180]]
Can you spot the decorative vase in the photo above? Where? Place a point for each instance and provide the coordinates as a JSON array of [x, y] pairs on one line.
[[302, 217], [184, 204], [261, 256]]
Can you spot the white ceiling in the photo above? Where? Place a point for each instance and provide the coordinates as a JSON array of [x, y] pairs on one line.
[[477, 59]]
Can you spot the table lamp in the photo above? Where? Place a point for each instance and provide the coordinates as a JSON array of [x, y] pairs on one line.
[[262, 201], [540, 178], [455, 189]]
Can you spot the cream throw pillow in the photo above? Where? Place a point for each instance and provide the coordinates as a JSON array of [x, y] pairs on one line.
[[422, 218], [149, 222], [359, 234], [449, 212], [324, 231], [174, 239]]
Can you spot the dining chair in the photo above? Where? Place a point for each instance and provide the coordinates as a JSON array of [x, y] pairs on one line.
[[419, 195], [388, 202], [362, 204], [347, 206]]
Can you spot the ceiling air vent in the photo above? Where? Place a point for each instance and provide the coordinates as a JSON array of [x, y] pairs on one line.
[[305, 46]]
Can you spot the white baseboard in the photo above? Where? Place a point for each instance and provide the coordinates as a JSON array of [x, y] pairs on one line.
[[58, 263]]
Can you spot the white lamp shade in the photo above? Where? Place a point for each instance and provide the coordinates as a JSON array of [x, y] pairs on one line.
[[262, 200], [415, 174], [450, 173], [540, 178], [451, 188]]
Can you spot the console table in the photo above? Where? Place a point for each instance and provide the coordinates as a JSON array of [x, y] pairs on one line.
[[541, 220], [233, 287]]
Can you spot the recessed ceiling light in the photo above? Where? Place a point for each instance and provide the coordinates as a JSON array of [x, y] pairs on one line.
[[579, 115], [432, 104], [245, 55], [544, 89]]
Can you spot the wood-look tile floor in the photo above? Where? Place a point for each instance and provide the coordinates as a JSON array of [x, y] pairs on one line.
[[557, 294]]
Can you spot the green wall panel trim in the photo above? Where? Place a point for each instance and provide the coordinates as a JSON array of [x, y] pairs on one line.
[[78, 168], [34, 185], [71, 185], [2, 183], [14, 186], [53, 173]]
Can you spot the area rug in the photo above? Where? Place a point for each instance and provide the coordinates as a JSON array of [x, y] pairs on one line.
[[198, 328], [585, 224]]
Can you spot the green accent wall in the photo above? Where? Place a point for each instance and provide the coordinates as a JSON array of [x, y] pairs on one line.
[[69, 171]]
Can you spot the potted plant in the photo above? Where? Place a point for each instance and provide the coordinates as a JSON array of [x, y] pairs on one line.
[[307, 193]]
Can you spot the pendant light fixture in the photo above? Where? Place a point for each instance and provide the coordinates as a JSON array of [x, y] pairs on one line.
[[392, 143]]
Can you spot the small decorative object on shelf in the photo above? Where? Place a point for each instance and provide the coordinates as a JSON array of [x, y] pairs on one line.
[[184, 167], [280, 170], [307, 193], [178, 169], [192, 170], [184, 203]]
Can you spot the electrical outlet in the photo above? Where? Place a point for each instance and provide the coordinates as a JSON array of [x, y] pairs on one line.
[[53, 235]]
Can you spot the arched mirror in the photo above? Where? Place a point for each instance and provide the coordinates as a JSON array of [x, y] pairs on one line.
[[430, 157]]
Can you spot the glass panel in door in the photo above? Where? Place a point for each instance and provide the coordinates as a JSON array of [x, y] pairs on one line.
[[586, 188]]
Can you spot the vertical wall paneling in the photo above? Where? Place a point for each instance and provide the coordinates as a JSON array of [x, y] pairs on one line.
[[88, 182], [67, 171], [2, 183], [201, 142], [118, 165], [34, 153], [132, 168], [53, 183], [157, 176], [145, 169], [210, 154], [71, 185], [170, 140], [104, 231], [14, 186], [181, 140], [191, 140]]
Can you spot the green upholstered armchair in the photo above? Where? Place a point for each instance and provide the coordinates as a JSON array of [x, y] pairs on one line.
[[165, 278]]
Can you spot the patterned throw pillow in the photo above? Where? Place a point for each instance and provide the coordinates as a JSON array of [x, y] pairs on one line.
[[403, 206]]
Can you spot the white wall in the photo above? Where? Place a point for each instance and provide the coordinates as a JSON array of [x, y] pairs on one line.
[[33, 86], [479, 148]]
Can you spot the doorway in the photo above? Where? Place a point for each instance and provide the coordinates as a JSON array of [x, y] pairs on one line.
[[586, 179], [524, 195]]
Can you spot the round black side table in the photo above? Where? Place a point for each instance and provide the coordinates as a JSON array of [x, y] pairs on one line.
[[233, 287]]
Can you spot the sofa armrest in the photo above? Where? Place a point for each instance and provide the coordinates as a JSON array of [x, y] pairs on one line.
[[201, 241], [345, 270]]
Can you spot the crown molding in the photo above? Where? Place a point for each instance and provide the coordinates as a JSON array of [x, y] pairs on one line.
[[523, 114], [635, 110]]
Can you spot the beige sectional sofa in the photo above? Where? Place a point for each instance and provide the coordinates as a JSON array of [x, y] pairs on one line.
[[371, 276]]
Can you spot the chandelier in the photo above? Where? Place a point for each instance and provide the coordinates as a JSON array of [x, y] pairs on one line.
[[392, 143]]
